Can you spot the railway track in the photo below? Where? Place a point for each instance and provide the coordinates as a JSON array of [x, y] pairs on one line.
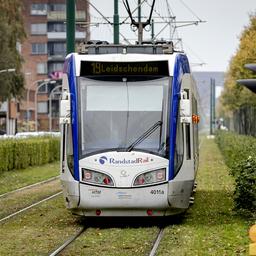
[[157, 242], [62, 247], [67, 242], [29, 207], [29, 186]]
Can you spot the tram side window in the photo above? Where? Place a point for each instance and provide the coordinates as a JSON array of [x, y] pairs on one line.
[[69, 146], [187, 134], [179, 147]]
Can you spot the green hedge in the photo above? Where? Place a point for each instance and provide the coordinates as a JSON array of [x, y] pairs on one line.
[[239, 153], [21, 153], [245, 192]]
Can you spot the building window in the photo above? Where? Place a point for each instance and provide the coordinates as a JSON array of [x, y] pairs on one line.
[[38, 29], [28, 115], [43, 89], [39, 48], [42, 107], [38, 9], [41, 68], [56, 27], [55, 108], [55, 66], [57, 49], [57, 7]]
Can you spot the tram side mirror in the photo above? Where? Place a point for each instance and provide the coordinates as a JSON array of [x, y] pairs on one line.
[[185, 108], [65, 115]]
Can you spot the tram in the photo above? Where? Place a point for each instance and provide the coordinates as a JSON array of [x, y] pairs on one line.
[[129, 131]]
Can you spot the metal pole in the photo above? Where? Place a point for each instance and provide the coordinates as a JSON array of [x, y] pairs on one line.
[[139, 11], [70, 11], [7, 118], [140, 28], [87, 19], [212, 106], [8, 102], [37, 88], [116, 22], [140, 33], [152, 30], [28, 92]]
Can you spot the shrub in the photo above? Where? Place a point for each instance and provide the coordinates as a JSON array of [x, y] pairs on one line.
[[21, 153], [245, 191], [239, 152]]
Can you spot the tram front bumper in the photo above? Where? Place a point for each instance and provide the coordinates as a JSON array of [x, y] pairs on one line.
[[158, 200], [116, 201]]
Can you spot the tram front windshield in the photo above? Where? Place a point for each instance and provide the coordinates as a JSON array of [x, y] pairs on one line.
[[123, 116]]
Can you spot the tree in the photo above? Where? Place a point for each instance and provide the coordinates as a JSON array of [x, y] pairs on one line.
[[12, 33], [234, 95]]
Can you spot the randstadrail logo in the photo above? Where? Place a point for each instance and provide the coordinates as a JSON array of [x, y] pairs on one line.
[[103, 160], [123, 161]]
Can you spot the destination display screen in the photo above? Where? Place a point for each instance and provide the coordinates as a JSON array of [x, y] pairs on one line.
[[149, 68]]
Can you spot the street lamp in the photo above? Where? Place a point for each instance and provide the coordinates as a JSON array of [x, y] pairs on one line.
[[53, 92], [48, 81], [7, 110], [44, 81], [249, 83]]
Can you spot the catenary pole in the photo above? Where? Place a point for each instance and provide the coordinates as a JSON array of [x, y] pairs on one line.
[[70, 11], [212, 106], [116, 22], [140, 28], [139, 11]]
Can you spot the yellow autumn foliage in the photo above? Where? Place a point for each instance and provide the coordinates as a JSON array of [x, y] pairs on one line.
[[235, 95]]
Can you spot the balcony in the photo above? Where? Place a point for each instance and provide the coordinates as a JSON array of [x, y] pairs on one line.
[[59, 58], [61, 16], [62, 35]]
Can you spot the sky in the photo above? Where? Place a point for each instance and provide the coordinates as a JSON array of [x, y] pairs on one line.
[[209, 45]]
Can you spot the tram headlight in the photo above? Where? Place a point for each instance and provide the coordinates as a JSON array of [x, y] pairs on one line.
[[151, 177], [96, 177]]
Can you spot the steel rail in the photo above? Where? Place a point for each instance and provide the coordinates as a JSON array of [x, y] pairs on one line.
[[29, 207], [157, 242], [29, 186], [161, 230], [68, 242]]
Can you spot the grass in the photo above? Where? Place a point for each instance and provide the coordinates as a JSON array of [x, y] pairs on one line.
[[210, 227], [15, 179], [21, 199], [39, 231], [114, 240]]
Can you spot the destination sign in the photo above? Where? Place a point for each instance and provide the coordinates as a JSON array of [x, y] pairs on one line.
[[149, 68]]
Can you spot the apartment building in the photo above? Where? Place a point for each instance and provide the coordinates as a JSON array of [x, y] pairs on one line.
[[43, 52]]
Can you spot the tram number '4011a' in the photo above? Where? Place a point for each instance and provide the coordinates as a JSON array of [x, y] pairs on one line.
[[157, 192]]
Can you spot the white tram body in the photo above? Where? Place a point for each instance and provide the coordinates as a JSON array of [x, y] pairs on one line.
[[129, 129]]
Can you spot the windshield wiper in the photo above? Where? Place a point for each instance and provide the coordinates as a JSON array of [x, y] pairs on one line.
[[144, 135]]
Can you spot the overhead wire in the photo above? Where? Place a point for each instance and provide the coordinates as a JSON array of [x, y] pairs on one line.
[[132, 12], [188, 8], [195, 54], [163, 11], [109, 22]]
